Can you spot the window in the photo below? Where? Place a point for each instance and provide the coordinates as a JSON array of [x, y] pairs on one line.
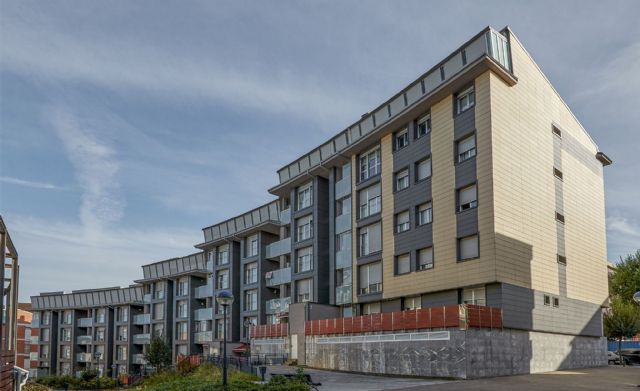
[[183, 286], [44, 335], [343, 241], [251, 300], [556, 131], [402, 139], [158, 290], [222, 279], [424, 126], [425, 258], [158, 329], [562, 259], [466, 148], [211, 257], [272, 319], [402, 221], [343, 206], [252, 246], [370, 239], [475, 296], [370, 164], [402, 179], [403, 264], [560, 217], [304, 195], [182, 331], [46, 318], [183, 309], [251, 273], [423, 169], [556, 302], [121, 353], [425, 213], [158, 311], [370, 278], [66, 335], [65, 352], [468, 247], [412, 303], [467, 198], [220, 329], [122, 332], [303, 260], [303, 290], [223, 255], [369, 201], [123, 314], [547, 300], [304, 228], [370, 308], [465, 100], [100, 333], [557, 173], [44, 351], [101, 315], [66, 317]]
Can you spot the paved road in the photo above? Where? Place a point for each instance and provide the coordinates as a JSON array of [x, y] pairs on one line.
[[611, 378], [341, 381]]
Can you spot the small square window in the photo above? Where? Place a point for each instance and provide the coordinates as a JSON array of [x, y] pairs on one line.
[[556, 302], [402, 139], [556, 131], [547, 300], [562, 259], [402, 180], [424, 126], [560, 217], [557, 173], [465, 100]]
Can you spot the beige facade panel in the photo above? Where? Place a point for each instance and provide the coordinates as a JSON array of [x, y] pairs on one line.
[[386, 191]]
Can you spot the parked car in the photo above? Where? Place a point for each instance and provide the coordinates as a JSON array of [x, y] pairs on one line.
[[613, 358]]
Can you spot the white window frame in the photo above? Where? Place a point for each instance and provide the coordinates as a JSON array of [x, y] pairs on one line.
[[402, 179], [412, 303], [420, 265], [304, 257], [304, 297], [251, 300], [251, 273], [370, 164], [304, 231], [369, 287], [223, 255], [373, 204], [304, 196], [465, 100], [472, 203], [475, 295], [425, 213], [224, 280], [426, 121], [364, 239], [401, 139], [403, 226], [467, 154], [420, 164]]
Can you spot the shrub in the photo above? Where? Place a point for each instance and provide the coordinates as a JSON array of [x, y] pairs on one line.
[[185, 367]]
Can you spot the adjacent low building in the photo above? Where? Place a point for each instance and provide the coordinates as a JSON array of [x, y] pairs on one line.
[[474, 186]]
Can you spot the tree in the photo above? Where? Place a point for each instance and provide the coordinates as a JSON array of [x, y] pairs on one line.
[[621, 321], [625, 280], [159, 353]]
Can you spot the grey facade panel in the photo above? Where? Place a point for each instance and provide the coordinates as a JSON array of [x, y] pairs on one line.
[[466, 173], [467, 222]]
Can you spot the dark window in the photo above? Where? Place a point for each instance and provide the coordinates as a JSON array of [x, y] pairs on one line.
[[556, 302], [557, 173], [556, 131], [560, 217], [464, 57], [547, 300], [562, 259]]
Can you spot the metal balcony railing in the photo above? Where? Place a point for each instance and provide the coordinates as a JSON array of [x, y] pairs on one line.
[[204, 314], [146, 298], [371, 288], [343, 187], [138, 359], [84, 340], [142, 338], [278, 305], [276, 249], [83, 357], [343, 294], [205, 291], [343, 223], [203, 337], [278, 277], [344, 259], [285, 216], [85, 322], [142, 319]]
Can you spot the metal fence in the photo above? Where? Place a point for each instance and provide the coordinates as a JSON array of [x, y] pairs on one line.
[[247, 364]]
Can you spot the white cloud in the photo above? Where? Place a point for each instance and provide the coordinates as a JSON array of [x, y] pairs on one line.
[[28, 183], [56, 255]]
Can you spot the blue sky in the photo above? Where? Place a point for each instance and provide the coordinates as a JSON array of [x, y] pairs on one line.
[[126, 127]]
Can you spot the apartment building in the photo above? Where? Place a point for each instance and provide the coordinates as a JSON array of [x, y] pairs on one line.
[[475, 184], [73, 328]]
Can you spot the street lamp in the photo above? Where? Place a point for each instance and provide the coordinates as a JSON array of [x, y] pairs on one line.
[[97, 355], [636, 297], [225, 299]]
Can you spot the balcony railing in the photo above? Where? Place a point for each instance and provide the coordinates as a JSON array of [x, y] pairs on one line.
[[343, 295], [142, 319], [343, 187], [146, 298], [279, 248], [138, 359], [343, 223], [203, 337], [205, 291], [141, 339], [204, 314], [371, 288], [83, 357], [278, 277], [278, 305], [285, 216], [85, 322], [344, 259], [84, 340]]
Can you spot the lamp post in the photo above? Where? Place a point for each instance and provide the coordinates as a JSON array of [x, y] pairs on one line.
[[225, 299], [97, 355], [636, 297]]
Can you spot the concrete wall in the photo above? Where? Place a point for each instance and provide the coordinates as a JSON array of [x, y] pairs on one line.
[[467, 354]]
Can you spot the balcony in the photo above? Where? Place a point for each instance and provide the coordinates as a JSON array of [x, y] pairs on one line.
[[83, 357], [278, 277], [203, 337], [138, 359], [277, 305], [204, 314], [343, 187], [85, 322], [146, 298], [141, 339], [205, 291], [343, 259], [343, 295], [278, 248], [84, 340], [285, 216], [343, 223], [142, 319]]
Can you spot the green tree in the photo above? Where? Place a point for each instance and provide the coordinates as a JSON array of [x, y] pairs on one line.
[[625, 280], [622, 320], [159, 353]]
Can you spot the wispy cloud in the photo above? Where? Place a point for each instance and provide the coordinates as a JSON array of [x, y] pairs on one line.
[[95, 168], [28, 183]]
